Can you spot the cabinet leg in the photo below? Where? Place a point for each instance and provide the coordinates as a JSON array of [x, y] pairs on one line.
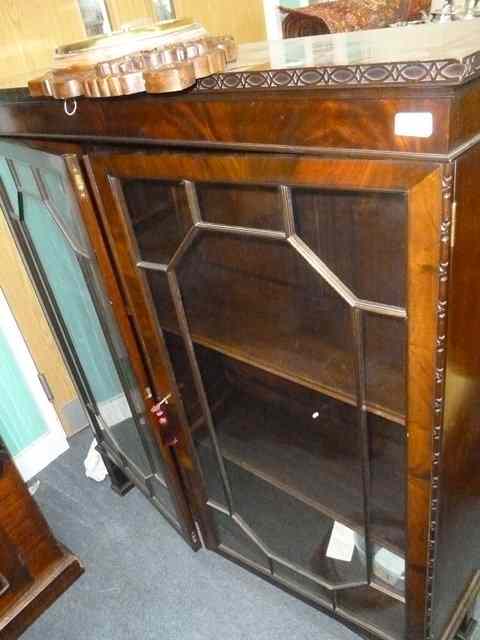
[[119, 481]]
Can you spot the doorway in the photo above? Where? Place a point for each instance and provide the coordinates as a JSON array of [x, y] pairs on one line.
[[29, 424]]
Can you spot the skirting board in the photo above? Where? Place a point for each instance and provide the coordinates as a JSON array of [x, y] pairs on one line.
[[75, 417], [40, 454]]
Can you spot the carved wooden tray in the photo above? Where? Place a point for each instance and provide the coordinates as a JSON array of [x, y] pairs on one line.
[[164, 57]]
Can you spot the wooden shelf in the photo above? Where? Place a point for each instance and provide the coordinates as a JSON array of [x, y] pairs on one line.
[[314, 360], [304, 532], [301, 462], [334, 360]]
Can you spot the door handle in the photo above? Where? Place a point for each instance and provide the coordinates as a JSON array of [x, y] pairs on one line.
[[167, 432]]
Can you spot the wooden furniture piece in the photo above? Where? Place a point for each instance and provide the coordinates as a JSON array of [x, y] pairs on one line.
[[283, 263], [162, 57], [342, 16], [34, 568]]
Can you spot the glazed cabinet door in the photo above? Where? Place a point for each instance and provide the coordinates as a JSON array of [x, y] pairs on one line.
[[49, 211], [289, 296]]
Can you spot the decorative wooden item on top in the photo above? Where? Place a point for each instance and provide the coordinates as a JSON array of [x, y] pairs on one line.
[[163, 57], [343, 16]]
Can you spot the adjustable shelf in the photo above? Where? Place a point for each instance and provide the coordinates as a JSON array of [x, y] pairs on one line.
[[298, 463], [318, 362], [305, 444]]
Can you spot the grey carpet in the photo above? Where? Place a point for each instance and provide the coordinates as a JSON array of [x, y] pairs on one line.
[[141, 581]]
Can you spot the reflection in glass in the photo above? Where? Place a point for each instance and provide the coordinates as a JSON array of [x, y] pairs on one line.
[[233, 538], [159, 216], [359, 236], [283, 454], [265, 304], [72, 296], [9, 188], [387, 484], [377, 609], [164, 9], [284, 447], [385, 347], [161, 494], [302, 584], [95, 17], [251, 206]]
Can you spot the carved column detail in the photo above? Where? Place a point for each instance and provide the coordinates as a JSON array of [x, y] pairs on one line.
[[437, 433]]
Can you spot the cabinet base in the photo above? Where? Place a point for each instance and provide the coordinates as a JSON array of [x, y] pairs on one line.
[[468, 631], [462, 626], [357, 628], [120, 482], [34, 600]]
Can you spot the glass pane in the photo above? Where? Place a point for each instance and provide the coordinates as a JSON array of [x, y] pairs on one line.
[[266, 306], [233, 538], [9, 187], [162, 496], [69, 287], [385, 348], [303, 585], [55, 191], [164, 9], [274, 344], [95, 17], [214, 379], [285, 449], [163, 302], [283, 446], [211, 473], [159, 216], [184, 376], [26, 179], [373, 608], [361, 237], [387, 484], [241, 205], [60, 203]]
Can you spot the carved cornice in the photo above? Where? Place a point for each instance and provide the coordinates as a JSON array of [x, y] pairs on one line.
[[445, 72], [440, 366]]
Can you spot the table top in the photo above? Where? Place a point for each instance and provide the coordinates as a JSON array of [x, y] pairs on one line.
[[413, 43], [447, 54]]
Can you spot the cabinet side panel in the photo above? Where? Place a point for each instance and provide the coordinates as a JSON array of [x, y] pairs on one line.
[[458, 553], [425, 216]]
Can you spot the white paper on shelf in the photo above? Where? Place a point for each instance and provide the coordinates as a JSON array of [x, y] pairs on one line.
[[342, 543]]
